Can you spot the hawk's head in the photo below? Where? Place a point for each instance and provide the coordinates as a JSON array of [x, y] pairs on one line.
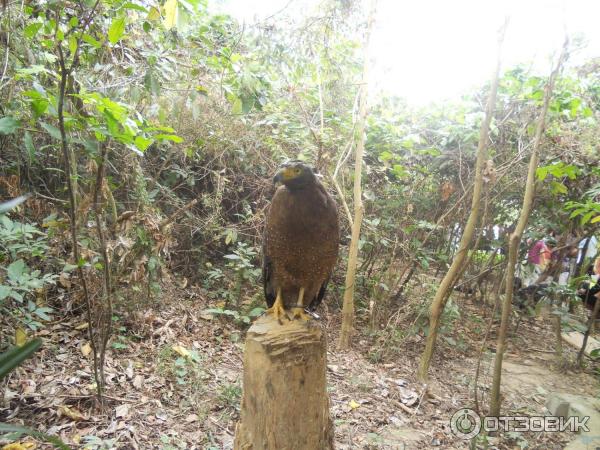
[[295, 174]]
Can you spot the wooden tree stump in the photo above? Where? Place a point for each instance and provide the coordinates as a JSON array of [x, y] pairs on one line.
[[285, 405]]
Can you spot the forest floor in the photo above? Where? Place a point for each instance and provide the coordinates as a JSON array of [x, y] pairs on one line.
[[174, 381]]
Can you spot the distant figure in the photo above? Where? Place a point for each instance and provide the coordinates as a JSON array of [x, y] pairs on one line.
[[538, 257], [539, 254], [588, 291], [592, 244], [568, 265]]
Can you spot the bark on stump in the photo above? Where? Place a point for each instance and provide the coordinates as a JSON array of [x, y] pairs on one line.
[[285, 405]]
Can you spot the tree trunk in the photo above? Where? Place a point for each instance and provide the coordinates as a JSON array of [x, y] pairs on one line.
[[348, 308], [285, 404], [515, 239], [439, 301]]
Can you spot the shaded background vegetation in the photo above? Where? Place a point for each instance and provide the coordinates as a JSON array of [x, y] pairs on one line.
[[174, 119]]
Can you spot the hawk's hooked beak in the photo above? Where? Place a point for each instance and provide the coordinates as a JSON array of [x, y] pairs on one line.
[[282, 175]]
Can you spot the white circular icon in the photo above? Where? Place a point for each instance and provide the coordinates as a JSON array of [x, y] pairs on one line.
[[465, 423]]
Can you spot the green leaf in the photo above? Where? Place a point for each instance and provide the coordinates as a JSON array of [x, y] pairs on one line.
[[72, 44], [399, 171], [153, 14], [28, 142], [170, 137], [574, 107], [32, 29], [134, 6], [586, 218], [19, 430], [171, 11], [42, 313], [16, 269], [12, 358], [151, 82], [595, 219], [116, 30], [90, 40], [256, 312], [142, 143], [39, 107], [237, 107], [8, 125], [69, 268], [558, 188], [52, 130], [4, 291], [541, 173], [385, 156], [577, 212], [73, 22], [430, 152]]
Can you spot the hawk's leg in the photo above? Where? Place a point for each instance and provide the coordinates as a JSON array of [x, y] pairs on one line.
[[299, 308], [278, 309]]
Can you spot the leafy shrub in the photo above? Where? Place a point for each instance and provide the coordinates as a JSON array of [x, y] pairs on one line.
[[21, 243]]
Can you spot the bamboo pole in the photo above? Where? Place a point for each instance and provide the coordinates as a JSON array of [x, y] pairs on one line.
[[348, 308], [515, 237], [441, 296]]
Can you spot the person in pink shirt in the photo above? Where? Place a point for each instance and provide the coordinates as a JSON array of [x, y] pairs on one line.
[[539, 254]]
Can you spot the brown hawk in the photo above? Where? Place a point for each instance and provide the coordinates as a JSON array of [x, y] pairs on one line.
[[301, 242]]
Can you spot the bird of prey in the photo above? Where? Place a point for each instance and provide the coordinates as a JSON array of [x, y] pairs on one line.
[[301, 242]]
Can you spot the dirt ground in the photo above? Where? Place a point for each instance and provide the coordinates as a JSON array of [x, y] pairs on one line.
[[174, 381]]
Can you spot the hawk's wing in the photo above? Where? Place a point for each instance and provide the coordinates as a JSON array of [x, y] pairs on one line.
[[267, 273], [316, 301]]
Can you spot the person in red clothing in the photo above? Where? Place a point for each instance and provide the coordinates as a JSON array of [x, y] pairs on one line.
[[538, 256]]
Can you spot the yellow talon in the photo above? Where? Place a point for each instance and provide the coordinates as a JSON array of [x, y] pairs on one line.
[[299, 309], [299, 313], [277, 309]]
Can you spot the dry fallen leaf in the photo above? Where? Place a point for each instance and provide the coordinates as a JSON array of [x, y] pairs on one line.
[[138, 381], [86, 349], [184, 283], [19, 446], [71, 413], [353, 404], [64, 281], [122, 410], [191, 418], [181, 350], [129, 370], [20, 337], [82, 326]]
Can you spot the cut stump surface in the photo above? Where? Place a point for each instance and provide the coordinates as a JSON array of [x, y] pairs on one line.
[[285, 405]]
